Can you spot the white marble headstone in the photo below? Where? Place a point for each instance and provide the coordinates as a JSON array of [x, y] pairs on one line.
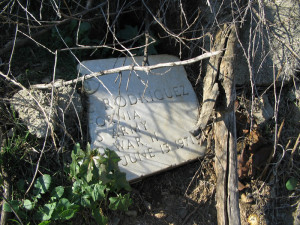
[[145, 118]]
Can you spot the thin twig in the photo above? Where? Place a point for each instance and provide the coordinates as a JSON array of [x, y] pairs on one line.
[[21, 42], [49, 126]]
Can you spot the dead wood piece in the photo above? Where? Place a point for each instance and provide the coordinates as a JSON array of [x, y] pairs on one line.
[[147, 69], [225, 140], [211, 86], [220, 79]]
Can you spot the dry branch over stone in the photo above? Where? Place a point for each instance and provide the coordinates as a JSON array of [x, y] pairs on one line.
[[147, 69]]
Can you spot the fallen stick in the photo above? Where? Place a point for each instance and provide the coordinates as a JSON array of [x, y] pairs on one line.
[[146, 69]]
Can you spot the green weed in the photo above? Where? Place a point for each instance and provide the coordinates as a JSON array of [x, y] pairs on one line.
[[97, 184]]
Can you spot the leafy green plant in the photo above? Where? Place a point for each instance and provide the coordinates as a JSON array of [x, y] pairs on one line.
[[98, 181], [57, 208], [96, 185]]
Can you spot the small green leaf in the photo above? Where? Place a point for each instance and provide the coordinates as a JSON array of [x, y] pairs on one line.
[[119, 181], [6, 207], [98, 192], [77, 187], [291, 184], [28, 204], [88, 190], [37, 195], [45, 223], [57, 192], [15, 204], [84, 170], [74, 168], [78, 153], [85, 201], [100, 219], [120, 202], [21, 185], [45, 212], [68, 214], [42, 184], [63, 203], [102, 175], [64, 210], [111, 162]]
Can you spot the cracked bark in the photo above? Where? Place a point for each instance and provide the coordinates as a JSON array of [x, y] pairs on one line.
[[225, 137], [219, 95]]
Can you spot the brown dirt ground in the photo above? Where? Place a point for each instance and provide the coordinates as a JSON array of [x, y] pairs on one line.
[[186, 195]]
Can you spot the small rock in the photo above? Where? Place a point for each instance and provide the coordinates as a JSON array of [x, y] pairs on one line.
[[148, 205], [263, 110], [294, 94], [169, 219], [132, 213], [165, 193], [246, 199], [182, 212], [65, 106], [160, 215], [253, 219], [31, 113]]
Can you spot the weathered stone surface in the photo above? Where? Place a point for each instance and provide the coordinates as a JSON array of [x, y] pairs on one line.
[[68, 103], [276, 46], [65, 105], [145, 118], [30, 112], [263, 110]]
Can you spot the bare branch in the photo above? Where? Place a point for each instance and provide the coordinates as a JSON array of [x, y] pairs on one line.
[[146, 69], [24, 41]]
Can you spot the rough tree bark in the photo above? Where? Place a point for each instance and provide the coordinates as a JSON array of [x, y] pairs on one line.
[[225, 138], [219, 95]]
